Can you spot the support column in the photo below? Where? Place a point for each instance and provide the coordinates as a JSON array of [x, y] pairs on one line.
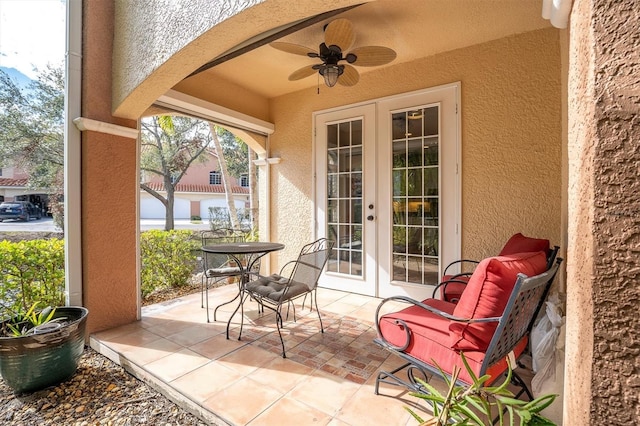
[[602, 376], [109, 183]]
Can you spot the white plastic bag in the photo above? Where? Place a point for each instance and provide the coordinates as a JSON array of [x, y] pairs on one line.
[[547, 347], [545, 333]]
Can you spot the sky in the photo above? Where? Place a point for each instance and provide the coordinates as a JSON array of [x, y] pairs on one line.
[[32, 34]]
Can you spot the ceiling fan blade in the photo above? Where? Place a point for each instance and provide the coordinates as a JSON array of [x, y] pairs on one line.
[[339, 33], [371, 56], [302, 73], [296, 49], [349, 77]]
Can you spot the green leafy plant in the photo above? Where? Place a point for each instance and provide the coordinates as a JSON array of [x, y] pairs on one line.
[[478, 404], [168, 259], [30, 322], [31, 271]]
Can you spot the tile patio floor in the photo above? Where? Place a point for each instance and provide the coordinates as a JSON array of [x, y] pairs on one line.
[[326, 379]]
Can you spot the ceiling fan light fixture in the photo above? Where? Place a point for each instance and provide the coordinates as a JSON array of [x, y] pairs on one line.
[[331, 74]]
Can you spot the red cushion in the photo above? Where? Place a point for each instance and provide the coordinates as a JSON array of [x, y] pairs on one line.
[[429, 340], [487, 295], [518, 243], [452, 291]]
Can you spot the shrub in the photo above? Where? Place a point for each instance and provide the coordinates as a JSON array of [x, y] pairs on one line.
[[167, 259], [31, 271]]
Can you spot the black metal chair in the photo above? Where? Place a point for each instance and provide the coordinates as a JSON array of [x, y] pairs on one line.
[[217, 267], [278, 290]]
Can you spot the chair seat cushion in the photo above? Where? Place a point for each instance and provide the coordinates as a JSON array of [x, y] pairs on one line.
[[429, 340], [486, 295], [273, 286]]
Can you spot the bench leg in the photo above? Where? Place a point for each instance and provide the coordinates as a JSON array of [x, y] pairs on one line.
[[392, 378]]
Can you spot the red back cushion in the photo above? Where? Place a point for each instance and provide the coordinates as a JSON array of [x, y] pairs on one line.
[[487, 295], [518, 243]]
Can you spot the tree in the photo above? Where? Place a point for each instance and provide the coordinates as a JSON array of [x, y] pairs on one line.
[[226, 182], [239, 160], [169, 146], [32, 131]]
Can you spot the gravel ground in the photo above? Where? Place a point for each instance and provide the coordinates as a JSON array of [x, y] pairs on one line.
[[100, 393]]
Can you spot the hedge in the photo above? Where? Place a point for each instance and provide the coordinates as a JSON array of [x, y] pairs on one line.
[[167, 258], [31, 271]]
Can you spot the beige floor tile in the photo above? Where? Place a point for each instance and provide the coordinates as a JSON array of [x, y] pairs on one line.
[[341, 308], [119, 331], [247, 359], [176, 364], [248, 382], [170, 327], [336, 422], [144, 354], [196, 333], [325, 392], [201, 383], [139, 338], [365, 407], [289, 412], [281, 374], [355, 299], [217, 346], [243, 401]]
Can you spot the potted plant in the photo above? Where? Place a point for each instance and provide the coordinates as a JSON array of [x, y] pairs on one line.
[[41, 348]]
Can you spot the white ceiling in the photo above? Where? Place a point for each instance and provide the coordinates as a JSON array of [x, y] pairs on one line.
[[413, 28]]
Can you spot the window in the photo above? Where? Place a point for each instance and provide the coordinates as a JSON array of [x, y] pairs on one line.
[[244, 181], [215, 178]]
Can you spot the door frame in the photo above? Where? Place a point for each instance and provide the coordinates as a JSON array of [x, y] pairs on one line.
[[366, 283], [454, 249]]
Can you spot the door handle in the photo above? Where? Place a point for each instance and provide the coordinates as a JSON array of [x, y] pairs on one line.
[[370, 217]]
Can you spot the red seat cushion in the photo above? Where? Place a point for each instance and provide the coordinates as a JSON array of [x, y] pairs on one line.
[[486, 295], [518, 243], [429, 340]]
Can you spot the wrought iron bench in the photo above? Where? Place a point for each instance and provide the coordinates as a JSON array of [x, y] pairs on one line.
[[491, 322]]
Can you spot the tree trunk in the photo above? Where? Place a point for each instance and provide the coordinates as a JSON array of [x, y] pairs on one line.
[[169, 222], [253, 191], [226, 181]]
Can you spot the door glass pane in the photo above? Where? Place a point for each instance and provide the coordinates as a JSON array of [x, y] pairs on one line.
[[416, 194], [344, 197]]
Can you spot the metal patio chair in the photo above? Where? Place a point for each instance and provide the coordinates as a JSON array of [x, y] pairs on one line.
[[279, 290]]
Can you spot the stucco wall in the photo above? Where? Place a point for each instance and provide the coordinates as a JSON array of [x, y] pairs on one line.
[[109, 186], [511, 139], [174, 38], [603, 338]]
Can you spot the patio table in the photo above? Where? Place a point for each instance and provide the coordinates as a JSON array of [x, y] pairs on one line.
[[245, 254]]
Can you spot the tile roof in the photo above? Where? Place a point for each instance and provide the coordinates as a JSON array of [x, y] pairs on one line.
[[212, 189], [12, 182]]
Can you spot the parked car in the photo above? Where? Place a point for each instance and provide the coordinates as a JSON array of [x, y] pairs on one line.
[[23, 210]]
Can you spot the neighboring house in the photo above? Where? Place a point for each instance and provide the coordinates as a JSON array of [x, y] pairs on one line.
[[14, 187], [536, 130], [199, 190]]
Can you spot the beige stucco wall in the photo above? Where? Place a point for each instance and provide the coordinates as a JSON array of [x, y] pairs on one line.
[[511, 139], [172, 39]]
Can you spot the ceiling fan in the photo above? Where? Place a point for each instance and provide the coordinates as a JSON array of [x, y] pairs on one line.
[[338, 38]]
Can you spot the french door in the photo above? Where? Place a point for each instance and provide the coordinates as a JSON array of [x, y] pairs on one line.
[[388, 192]]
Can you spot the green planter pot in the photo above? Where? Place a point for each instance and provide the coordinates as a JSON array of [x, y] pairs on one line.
[[34, 362]]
